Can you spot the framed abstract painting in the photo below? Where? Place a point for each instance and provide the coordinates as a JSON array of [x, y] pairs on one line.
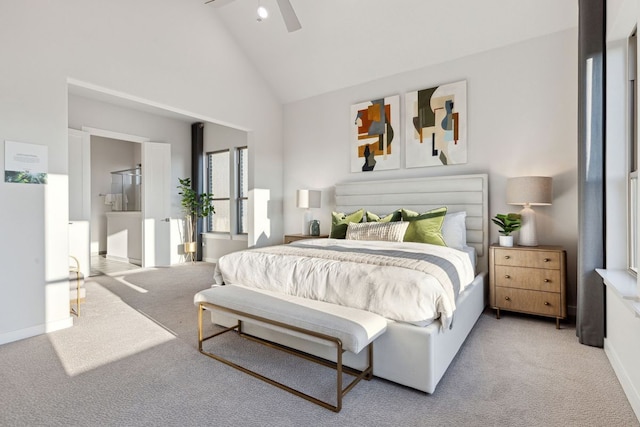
[[374, 140], [436, 126]]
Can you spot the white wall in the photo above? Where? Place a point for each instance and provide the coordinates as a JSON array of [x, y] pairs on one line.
[[156, 127], [172, 52], [622, 339], [622, 345], [522, 120], [215, 138]]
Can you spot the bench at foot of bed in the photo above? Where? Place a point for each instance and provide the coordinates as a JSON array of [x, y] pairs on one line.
[[347, 329]]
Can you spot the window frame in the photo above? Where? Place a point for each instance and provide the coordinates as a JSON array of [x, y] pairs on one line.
[[216, 199], [632, 150], [632, 234], [240, 196], [237, 197]]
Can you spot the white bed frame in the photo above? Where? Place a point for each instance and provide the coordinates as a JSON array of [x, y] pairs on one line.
[[406, 354]]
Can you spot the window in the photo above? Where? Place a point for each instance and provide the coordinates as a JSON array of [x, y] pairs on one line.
[[632, 181], [633, 221], [243, 188], [219, 185], [224, 179]]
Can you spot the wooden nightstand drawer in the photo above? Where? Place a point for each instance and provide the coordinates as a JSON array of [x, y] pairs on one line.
[[528, 258], [536, 279], [535, 302], [529, 279]]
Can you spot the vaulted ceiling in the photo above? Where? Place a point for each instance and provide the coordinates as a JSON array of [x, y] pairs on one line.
[[346, 42]]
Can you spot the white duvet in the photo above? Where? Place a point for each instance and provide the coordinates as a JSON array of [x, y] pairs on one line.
[[408, 282]]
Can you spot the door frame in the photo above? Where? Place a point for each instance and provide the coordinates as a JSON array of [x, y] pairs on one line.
[[79, 222], [156, 204], [122, 137]]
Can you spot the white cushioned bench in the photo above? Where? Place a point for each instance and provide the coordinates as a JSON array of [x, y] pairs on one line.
[[344, 328]]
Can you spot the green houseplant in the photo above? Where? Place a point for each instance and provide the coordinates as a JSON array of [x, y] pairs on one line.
[[195, 206], [508, 223]]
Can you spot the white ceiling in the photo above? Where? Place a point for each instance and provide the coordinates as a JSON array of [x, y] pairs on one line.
[[346, 42]]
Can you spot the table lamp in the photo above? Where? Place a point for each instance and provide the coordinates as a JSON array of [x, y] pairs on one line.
[[307, 199], [529, 191]]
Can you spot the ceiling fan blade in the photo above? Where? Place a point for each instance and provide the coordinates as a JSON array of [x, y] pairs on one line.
[[218, 3], [289, 16]]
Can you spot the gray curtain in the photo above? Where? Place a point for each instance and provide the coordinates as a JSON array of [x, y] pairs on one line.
[[197, 176], [590, 318]]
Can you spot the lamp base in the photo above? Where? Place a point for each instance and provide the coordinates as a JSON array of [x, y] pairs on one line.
[[306, 220], [528, 236]]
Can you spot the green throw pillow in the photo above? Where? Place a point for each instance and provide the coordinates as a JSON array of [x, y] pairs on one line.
[[340, 222], [425, 227], [392, 217]]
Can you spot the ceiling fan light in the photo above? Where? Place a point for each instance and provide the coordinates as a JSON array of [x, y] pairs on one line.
[[263, 13]]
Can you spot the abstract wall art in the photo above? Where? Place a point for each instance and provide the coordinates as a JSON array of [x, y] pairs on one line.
[[375, 136], [436, 126]]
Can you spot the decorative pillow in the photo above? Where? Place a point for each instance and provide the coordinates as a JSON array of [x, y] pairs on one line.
[[340, 221], [425, 227], [454, 230], [392, 217], [381, 231]]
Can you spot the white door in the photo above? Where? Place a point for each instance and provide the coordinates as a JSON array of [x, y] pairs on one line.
[[156, 204], [79, 175]]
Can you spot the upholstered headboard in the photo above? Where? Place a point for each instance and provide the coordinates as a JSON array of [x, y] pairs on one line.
[[457, 192]]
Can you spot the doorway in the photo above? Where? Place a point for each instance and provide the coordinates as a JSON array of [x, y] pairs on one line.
[[116, 221], [95, 109], [127, 215]]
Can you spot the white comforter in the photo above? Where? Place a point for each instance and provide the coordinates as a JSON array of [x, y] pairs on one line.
[[397, 280]]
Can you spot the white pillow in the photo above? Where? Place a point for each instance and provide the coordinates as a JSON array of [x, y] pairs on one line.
[[454, 230], [381, 231]]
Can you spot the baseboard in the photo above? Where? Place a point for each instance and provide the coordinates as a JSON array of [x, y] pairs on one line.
[[33, 331], [623, 377], [59, 324], [134, 261]]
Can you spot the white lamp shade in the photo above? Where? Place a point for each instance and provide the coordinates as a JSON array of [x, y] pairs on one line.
[[530, 190], [307, 199]]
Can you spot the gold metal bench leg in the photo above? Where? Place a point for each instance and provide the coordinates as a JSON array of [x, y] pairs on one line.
[[76, 270], [366, 374], [78, 293], [339, 380]]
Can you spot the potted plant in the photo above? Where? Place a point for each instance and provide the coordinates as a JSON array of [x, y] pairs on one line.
[[194, 207], [508, 223]]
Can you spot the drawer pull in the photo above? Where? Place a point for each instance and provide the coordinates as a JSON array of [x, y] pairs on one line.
[[546, 280], [507, 257], [506, 276], [547, 259], [507, 298], [546, 303]]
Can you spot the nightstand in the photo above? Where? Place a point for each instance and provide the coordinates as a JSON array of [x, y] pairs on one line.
[[288, 238], [528, 279]]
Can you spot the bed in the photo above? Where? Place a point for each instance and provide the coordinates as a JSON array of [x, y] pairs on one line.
[[411, 352]]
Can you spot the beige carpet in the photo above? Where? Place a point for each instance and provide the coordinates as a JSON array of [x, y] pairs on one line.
[[131, 359]]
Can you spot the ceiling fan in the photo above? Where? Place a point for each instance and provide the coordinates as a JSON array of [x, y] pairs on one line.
[[286, 10]]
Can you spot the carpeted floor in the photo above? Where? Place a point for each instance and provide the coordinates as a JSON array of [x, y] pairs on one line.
[[131, 359]]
